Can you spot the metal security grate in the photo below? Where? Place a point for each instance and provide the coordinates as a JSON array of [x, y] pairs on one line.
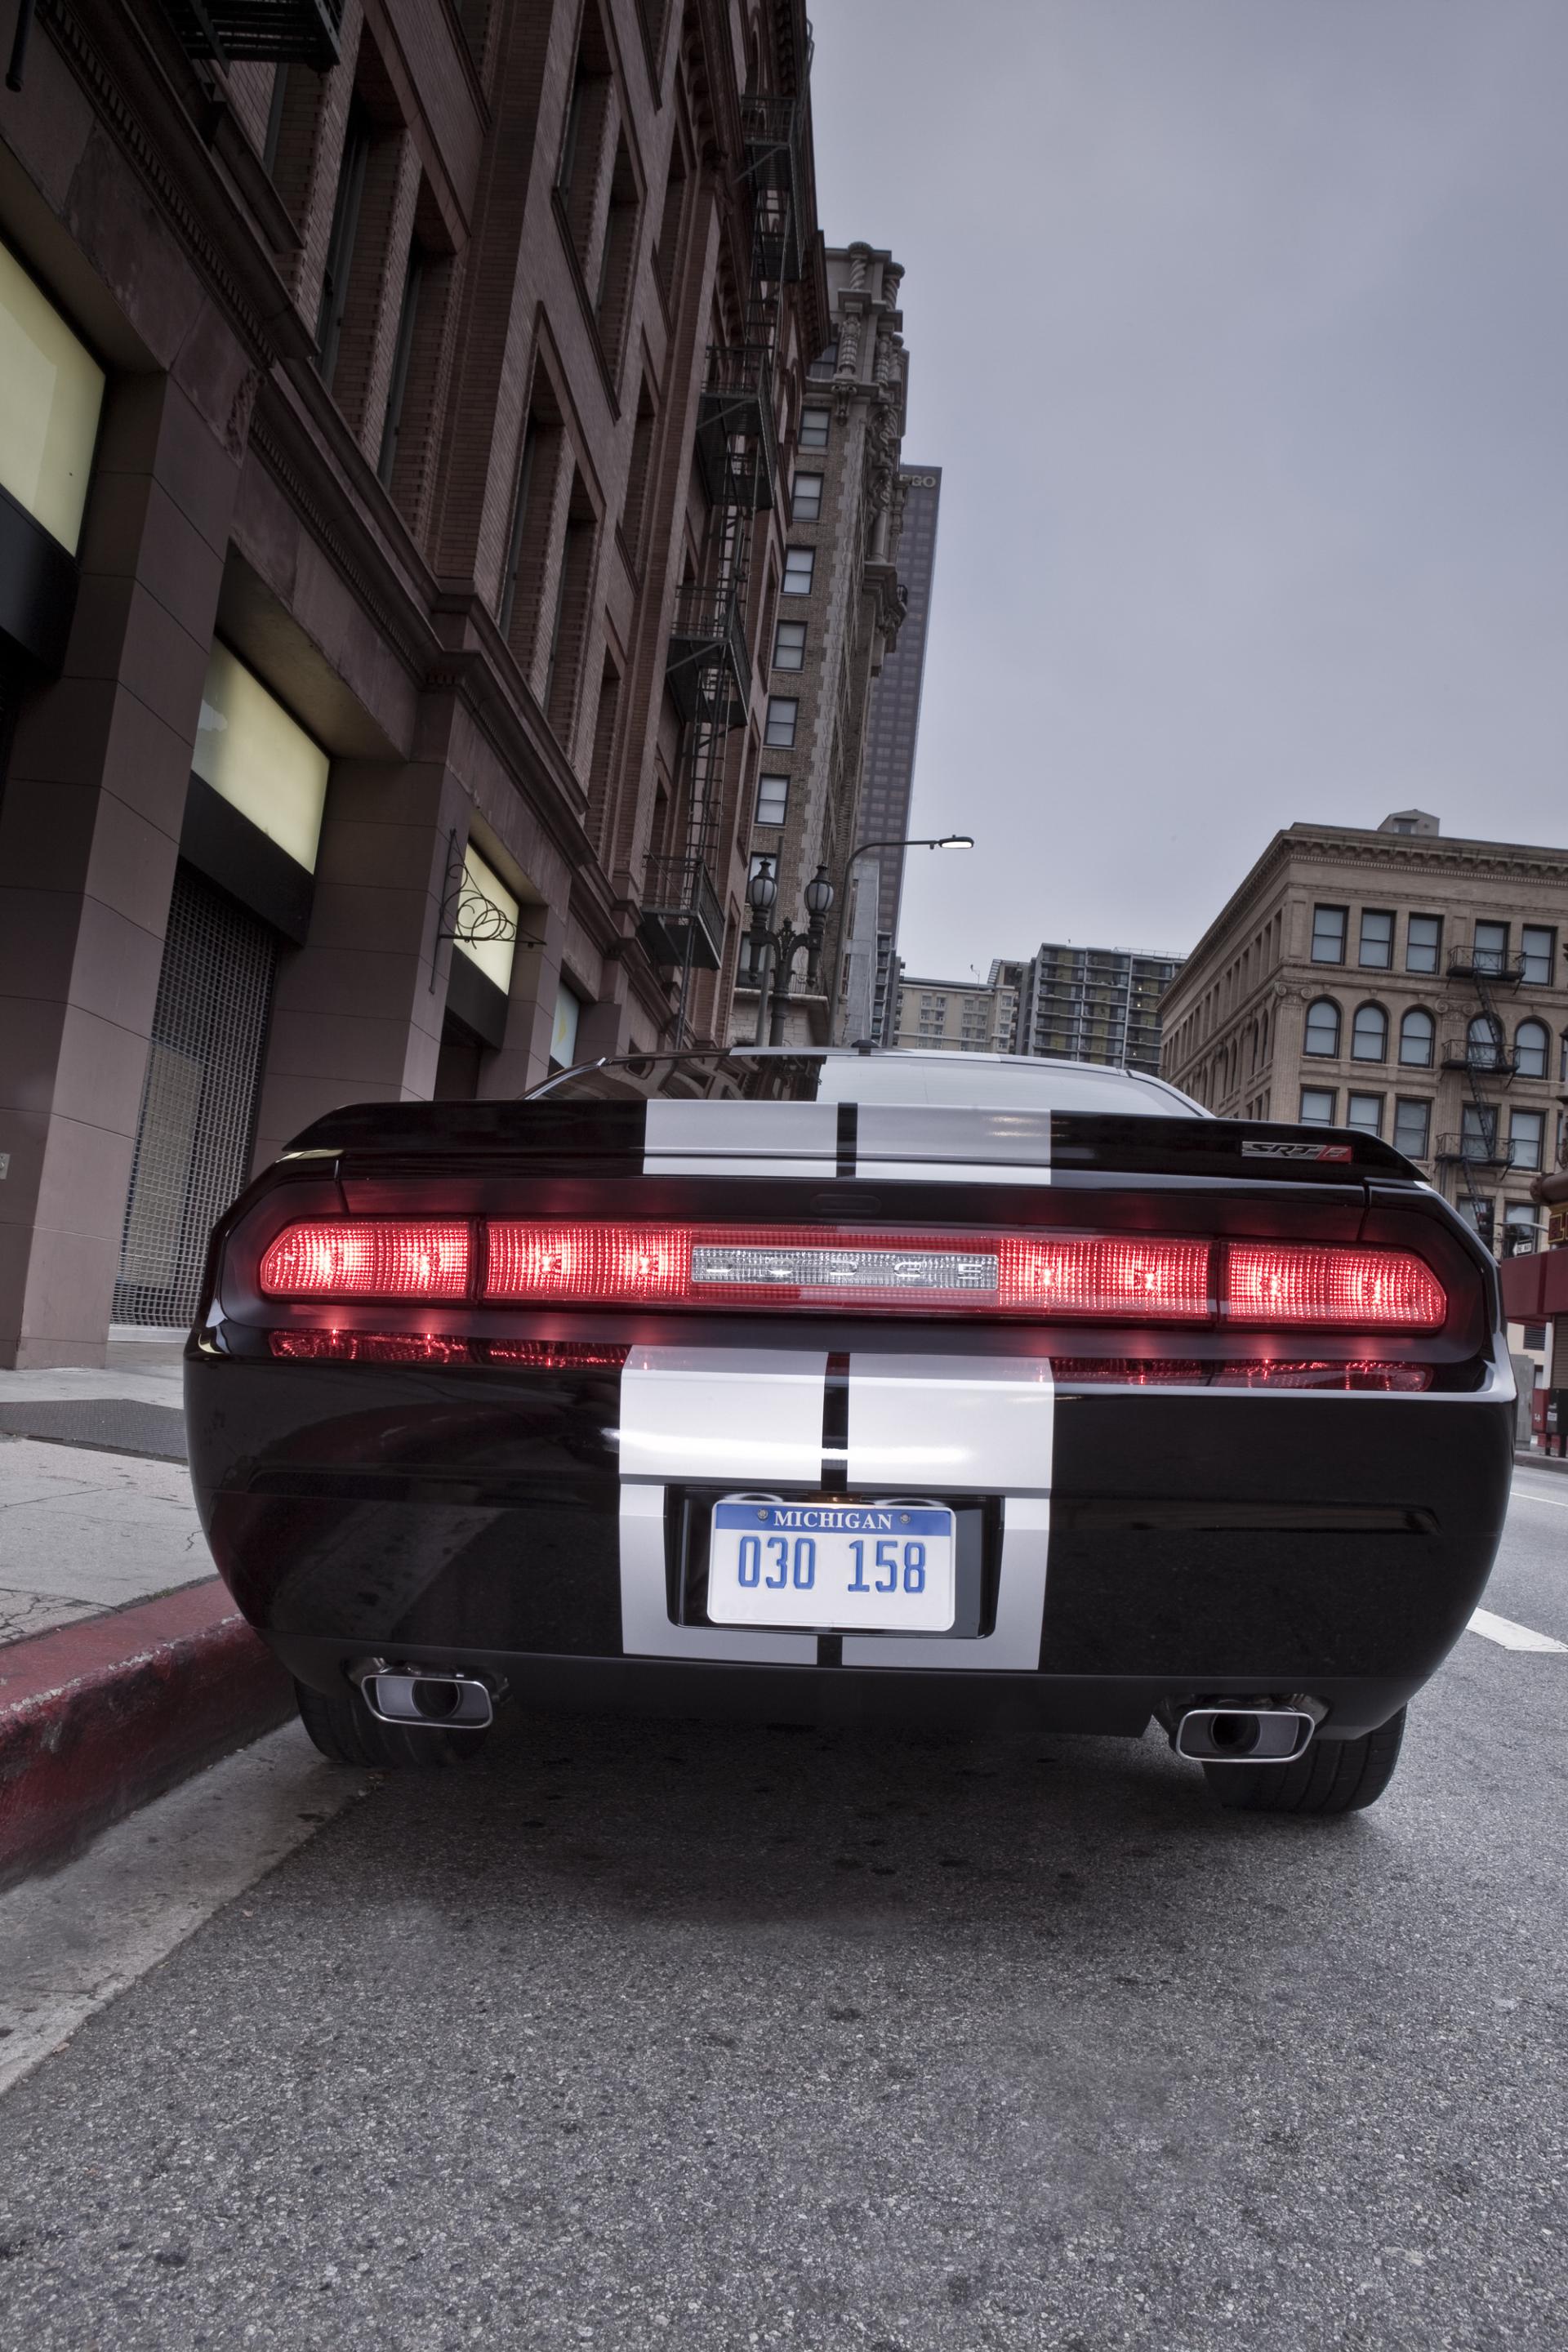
[[199, 1101]]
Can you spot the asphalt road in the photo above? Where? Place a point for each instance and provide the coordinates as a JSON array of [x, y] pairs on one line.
[[635, 2036]]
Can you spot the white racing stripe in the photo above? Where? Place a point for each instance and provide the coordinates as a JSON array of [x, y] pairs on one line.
[[1510, 1636]]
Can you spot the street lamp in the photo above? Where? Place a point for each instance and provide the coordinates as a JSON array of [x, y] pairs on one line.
[[915, 841], [771, 951]]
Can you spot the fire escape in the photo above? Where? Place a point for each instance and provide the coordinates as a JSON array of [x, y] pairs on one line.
[[707, 667], [1481, 1051]]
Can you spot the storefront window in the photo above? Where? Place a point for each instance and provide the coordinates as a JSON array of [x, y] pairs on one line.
[[261, 761], [51, 391]]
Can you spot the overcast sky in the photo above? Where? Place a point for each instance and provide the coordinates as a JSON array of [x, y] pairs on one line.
[[1238, 329]]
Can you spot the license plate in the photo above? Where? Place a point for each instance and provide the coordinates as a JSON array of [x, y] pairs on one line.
[[876, 1568]]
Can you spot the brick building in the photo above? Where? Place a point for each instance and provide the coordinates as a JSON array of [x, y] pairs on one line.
[[393, 522], [892, 731], [1399, 982]]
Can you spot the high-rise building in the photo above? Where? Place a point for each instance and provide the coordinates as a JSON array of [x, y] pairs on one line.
[[399, 413], [893, 731], [1094, 1005], [832, 610], [1398, 980]]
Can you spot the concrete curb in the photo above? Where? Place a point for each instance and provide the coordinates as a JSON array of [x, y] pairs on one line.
[[1541, 1461], [96, 1719]]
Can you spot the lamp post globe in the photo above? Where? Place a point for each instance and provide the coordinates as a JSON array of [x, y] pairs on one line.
[[818, 895]]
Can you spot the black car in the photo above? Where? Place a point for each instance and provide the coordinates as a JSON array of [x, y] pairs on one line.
[[851, 1386]]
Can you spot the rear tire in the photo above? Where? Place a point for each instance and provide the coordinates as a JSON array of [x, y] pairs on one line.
[[344, 1729], [1335, 1776]]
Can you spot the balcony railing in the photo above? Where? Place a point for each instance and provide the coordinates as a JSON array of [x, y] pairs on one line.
[[1462, 1052], [273, 32], [737, 407], [709, 668], [1486, 964], [682, 907], [1479, 1151], [771, 130]]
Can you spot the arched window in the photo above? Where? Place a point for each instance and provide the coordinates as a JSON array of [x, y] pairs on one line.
[[1562, 1060], [1482, 1044], [1369, 1035], [1530, 1044], [1417, 1032], [1323, 1026]]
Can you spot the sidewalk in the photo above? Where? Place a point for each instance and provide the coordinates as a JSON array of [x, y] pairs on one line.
[[123, 1663]]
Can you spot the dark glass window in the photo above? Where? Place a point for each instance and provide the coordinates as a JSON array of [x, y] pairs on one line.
[[1329, 934], [1423, 942], [1412, 1126], [1365, 1112], [1491, 946], [1538, 948], [1530, 1044], [1369, 1035], [1417, 1032], [1377, 937], [1318, 1105], [1323, 1026]]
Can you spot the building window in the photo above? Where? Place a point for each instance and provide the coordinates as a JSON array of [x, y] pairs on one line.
[[782, 711], [1417, 1032], [1323, 1027], [789, 645], [54, 392], [799, 564], [1369, 1035], [1365, 1112], [1376, 938], [1423, 942], [341, 239], [1478, 1131], [1411, 1127], [1492, 947], [1525, 1139], [822, 369], [814, 425], [1538, 948], [805, 498], [773, 799], [1329, 934], [1484, 1048], [1521, 1230], [259, 759], [403, 353], [1529, 1048], [1318, 1105]]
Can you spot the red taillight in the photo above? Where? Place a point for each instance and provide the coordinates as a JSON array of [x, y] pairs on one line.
[[1163, 1282], [361, 1257], [639, 1266], [1118, 1278], [1347, 1289]]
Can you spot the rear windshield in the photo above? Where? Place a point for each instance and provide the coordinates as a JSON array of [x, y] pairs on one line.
[[974, 1081]]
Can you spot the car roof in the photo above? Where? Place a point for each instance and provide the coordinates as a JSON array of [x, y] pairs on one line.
[[974, 1081]]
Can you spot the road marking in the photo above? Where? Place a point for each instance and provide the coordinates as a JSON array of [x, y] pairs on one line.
[[1553, 1502], [1510, 1636]]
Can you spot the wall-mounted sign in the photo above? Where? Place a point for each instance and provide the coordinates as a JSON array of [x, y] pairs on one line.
[[564, 1036], [486, 921]]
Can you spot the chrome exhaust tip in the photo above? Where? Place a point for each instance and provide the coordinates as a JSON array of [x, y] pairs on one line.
[[429, 1698], [1245, 1735]]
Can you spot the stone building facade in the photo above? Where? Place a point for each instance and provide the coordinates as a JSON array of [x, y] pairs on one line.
[[892, 731], [837, 613], [963, 1016], [390, 549], [1396, 981]]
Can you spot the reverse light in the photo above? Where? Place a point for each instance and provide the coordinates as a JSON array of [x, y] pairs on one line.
[[364, 1257]]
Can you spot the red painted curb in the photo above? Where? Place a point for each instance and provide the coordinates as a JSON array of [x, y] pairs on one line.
[[97, 1717]]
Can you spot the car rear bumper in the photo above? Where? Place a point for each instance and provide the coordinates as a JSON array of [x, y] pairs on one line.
[[1142, 1549]]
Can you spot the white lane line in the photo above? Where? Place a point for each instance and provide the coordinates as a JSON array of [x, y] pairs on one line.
[[69, 1942], [1510, 1636], [1553, 1502]]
